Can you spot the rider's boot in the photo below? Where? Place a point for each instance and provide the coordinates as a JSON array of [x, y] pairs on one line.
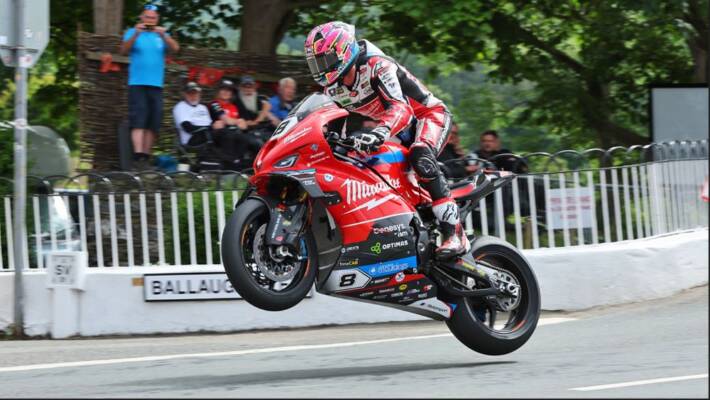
[[444, 207], [454, 241]]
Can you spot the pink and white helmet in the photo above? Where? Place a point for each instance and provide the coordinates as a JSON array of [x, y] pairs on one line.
[[331, 49]]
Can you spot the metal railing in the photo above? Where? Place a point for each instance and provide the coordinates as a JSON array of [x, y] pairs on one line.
[[148, 219]]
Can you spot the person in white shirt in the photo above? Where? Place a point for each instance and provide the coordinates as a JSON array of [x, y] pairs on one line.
[[195, 124], [192, 119]]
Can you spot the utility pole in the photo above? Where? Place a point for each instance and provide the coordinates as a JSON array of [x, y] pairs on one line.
[[20, 199], [24, 33]]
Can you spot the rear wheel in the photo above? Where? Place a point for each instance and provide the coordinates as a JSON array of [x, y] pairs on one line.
[[497, 325], [267, 278]]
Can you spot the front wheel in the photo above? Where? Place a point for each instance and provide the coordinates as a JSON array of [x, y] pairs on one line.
[[267, 279], [498, 325]]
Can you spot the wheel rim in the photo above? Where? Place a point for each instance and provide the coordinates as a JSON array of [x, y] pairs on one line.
[[502, 315], [263, 270]]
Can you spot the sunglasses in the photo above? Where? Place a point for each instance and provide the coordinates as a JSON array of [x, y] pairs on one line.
[[151, 7]]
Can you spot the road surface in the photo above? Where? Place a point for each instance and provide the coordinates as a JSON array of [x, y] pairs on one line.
[[650, 349]]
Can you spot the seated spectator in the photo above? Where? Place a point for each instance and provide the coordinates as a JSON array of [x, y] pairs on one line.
[[222, 108], [282, 102], [193, 121], [452, 156], [254, 108], [490, 147]]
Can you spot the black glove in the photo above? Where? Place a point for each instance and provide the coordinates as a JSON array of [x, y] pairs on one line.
[[370, 141]]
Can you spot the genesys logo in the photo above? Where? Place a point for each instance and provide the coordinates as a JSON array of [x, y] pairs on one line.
[[378, 230]]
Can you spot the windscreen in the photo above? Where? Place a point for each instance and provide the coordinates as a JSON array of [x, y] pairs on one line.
[[309, 104]]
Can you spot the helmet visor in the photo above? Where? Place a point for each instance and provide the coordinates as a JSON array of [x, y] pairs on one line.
[[322, 63]]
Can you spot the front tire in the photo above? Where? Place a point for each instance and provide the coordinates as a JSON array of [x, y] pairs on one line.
[[468, 322], [242, 269]]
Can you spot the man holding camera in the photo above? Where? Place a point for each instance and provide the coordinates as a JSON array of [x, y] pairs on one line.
[[147, 43]]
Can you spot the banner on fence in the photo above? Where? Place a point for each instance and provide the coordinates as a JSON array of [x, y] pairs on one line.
[[571, 213]]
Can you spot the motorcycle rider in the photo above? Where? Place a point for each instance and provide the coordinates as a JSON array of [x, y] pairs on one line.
[[359, 77]]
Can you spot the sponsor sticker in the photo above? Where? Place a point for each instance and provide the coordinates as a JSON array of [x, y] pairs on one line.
[[328, 177], [347, 249], [357, 190], [378, 230], [389, 267], [380, 280], [399, 277], [349, 263], [386, 290], [402, 287]]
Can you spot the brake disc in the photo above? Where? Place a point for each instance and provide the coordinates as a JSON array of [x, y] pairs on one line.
[[277, 271]]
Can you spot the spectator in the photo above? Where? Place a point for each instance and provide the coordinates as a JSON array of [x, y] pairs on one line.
[[282, 102], [222, 108], [146, 43], [193, 121], [254, 108], [490, 147], [452, 156]]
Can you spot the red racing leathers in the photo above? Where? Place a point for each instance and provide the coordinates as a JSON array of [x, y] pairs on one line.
[[386, 92]]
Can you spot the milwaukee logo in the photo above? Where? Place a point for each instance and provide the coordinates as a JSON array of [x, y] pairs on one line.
[[357, 190]]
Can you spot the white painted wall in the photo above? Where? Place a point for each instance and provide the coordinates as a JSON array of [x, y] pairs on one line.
[[570, 278]]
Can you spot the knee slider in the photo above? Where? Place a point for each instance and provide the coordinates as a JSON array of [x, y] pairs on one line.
[[423, 160]]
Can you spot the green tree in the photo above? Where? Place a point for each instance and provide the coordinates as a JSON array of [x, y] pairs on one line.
[[590, 62]]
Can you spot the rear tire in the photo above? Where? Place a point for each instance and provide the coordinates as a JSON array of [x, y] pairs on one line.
[[236, 248], [476, 334]]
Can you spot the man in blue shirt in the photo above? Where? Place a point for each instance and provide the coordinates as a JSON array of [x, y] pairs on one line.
[[147, 44], [282, 102]]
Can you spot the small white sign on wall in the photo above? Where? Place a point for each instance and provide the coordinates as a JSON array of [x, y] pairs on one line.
[[66, 269], [558, 215]]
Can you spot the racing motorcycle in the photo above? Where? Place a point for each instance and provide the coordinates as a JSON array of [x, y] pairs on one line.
[[359, 227]]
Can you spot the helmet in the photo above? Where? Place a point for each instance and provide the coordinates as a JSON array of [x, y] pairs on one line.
[[331, 49]]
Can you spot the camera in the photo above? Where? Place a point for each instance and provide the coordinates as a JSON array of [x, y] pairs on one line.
[[148, 27]]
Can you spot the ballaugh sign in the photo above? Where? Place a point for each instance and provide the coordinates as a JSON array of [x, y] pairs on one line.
[[189, 286]]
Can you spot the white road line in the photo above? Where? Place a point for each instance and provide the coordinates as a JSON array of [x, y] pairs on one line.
[[32, 367], [639, 383]]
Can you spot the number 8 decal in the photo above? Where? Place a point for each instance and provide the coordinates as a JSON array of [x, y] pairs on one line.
[[347, 280]]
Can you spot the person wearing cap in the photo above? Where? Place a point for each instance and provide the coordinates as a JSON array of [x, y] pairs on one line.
[[195, 126], [282, 102], [252, 106], [146, 44], [222, 108], [192, 119], [226, 116]]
